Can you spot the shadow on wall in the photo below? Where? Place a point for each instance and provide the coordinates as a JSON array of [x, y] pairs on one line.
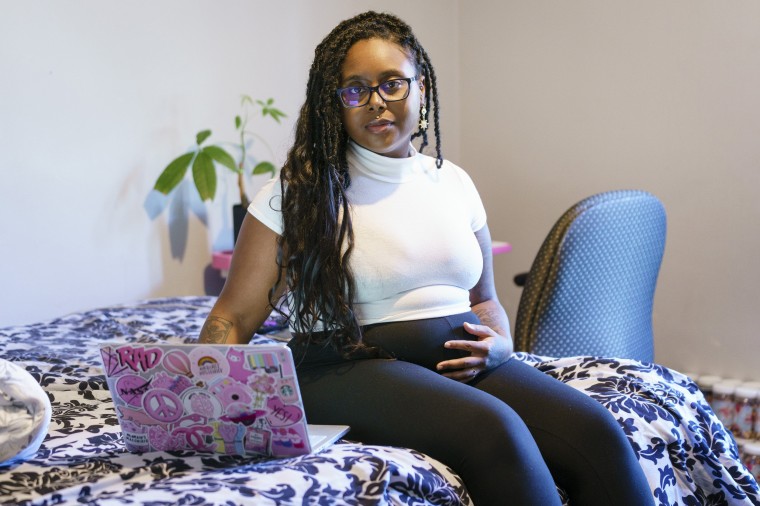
[[180, 203]]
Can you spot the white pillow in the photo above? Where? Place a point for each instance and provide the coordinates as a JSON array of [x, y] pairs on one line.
[[24, 414]]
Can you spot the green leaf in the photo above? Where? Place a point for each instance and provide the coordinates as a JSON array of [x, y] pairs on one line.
[[276, 114], [202, 136], [246, 99], [204, 175], [264, 168], [237, 122], [221, 156], [174, 173]]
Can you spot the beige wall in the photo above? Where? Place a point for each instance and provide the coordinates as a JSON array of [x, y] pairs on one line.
[[561, 100], [97, 97], [545, 102]]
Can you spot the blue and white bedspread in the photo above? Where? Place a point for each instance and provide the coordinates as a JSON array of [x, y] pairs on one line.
[[688, 455]]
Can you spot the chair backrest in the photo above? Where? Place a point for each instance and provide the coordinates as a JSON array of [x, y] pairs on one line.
[[591, 287]]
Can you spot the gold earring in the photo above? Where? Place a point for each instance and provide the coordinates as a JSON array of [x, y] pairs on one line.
[[423, 118]]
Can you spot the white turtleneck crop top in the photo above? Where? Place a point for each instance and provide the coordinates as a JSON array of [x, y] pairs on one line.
[[415, 254]]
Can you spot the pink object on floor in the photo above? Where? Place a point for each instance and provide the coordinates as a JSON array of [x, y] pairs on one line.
[[221, 260], [499, 247]]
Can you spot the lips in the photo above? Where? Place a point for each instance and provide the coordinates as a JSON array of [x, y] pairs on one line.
[[379, 125]]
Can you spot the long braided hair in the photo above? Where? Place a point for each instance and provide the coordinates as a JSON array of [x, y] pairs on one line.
[[317, 240]]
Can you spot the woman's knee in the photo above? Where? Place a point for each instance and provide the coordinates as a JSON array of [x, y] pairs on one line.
[[599, 428], [500, 461], [496, 432]]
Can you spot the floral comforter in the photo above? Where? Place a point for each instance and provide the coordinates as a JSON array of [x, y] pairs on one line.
[[688, 456]]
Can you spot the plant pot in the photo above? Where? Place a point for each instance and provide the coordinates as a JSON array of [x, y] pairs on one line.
[[238, 213]]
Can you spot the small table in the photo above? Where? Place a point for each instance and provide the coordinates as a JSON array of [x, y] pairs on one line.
[[220, 260], [500, 247]]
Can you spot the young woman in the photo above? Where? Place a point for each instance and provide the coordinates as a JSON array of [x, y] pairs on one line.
[[386, 259]]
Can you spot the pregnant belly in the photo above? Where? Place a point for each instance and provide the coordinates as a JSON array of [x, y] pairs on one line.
[[421, 341]]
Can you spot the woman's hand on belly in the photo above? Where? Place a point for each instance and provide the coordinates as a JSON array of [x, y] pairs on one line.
[[490, 350]]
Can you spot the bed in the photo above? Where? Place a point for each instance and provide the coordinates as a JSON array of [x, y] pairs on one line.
[[688, 455]]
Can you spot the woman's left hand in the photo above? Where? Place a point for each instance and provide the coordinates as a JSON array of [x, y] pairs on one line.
[[488, 351], [493, 346]]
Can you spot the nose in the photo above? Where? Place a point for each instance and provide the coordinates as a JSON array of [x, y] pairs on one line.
[[376, 102]]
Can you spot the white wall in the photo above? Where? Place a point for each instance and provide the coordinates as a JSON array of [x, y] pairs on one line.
[[562, 100], [545, 102], [97, 97]]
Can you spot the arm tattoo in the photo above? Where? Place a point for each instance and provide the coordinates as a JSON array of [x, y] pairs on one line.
[[491, 318], [215, 330]]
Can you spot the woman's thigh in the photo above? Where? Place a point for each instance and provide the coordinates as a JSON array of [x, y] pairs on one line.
[[582, 443], [397, 403], [388, 401]]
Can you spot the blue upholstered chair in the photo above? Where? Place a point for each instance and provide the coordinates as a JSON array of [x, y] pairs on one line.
[[591, 286]]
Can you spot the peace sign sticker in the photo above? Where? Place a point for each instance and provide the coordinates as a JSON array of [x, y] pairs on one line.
[[163, 405]]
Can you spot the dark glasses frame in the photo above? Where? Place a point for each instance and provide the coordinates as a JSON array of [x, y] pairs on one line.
[[376, 89]]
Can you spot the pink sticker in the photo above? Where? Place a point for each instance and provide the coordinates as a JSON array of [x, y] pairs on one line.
[[201, 402], [139, 358], [287, 370], [138, 416], [163, 405], [257, 440], [196, 437], [131, 389], [282, 415], [262, 383], [287, 389], [239, 369], [287, 442], [161, 440], [177, 362], [229, 437], [111, 362], [208, 363], [229, 392]]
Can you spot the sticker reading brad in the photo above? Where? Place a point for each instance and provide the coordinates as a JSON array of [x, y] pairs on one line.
[[139, 358]]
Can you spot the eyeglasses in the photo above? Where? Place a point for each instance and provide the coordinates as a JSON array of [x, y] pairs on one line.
[[392, 90]]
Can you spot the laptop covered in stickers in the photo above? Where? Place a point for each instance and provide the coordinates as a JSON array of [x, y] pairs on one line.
[[235, 400]]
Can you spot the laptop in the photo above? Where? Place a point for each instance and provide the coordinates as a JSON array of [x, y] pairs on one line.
[[234, 400]]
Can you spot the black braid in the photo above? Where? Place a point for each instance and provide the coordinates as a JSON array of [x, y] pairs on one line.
[[429, 73], [317, 240]]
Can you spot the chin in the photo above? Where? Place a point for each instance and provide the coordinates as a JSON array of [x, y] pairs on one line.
[[392, 150]]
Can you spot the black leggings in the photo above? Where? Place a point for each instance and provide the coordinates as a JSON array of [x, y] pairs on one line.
[[510, 434]]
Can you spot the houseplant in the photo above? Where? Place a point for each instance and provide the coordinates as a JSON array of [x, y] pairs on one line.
[[205, 159]]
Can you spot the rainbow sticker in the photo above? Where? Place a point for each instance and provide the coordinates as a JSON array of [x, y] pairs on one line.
[[206, 363], [265, 361]]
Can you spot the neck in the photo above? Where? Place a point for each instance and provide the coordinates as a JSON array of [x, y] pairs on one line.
[[385, 168]]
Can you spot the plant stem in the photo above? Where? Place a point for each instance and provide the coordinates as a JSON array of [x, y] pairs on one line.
[[264, 142], [241, 166], [243, 197]]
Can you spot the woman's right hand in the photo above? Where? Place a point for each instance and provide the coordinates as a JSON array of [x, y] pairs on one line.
[[243, 305]]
